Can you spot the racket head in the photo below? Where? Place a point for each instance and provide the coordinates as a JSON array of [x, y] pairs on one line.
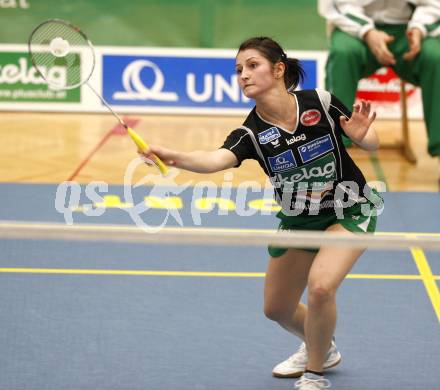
[[62, 54]]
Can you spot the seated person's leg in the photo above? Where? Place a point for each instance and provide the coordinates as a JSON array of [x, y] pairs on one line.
[[348, 61], [424, 71]]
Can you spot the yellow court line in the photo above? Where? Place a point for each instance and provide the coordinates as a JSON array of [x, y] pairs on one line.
[[74, 271], [131, 272], [429, 280]]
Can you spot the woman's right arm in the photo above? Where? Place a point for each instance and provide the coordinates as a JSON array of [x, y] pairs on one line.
[[196, 161]]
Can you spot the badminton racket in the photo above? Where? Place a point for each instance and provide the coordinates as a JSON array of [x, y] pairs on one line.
[[58, 43]]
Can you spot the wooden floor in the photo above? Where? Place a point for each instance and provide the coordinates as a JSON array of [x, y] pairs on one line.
[[51, 148]]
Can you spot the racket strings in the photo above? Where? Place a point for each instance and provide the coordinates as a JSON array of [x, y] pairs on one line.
[[70, 69]]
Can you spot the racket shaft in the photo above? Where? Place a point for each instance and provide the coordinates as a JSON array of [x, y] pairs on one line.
[[140, 143]]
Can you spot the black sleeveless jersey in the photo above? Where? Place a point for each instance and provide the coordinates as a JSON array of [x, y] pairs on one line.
[[309, 167]]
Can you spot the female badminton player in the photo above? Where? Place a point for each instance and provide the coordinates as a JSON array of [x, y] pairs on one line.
[[296, 138]]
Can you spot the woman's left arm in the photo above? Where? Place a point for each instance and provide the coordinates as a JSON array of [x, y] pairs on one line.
[[358, 126], [370, 141]]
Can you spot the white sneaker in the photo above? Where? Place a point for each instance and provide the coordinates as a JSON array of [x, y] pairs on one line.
[[307, 383], [295, 365]]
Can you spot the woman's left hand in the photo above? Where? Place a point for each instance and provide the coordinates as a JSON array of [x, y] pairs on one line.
[[357, 126]]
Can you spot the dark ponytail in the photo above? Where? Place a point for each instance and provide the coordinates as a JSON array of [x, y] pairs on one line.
[[294, 73], [273, 52]]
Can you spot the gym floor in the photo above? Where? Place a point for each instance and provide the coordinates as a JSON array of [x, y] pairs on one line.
[[88, 315]]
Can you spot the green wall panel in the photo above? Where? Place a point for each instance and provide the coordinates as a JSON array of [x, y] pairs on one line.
[[172, 23]]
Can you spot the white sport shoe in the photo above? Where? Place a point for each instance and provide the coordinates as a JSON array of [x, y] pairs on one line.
[[295, 365], [306, 383]]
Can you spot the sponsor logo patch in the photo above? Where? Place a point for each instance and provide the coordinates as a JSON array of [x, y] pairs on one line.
[[268, 135], [284, 161], [315, 148], [310, 117]]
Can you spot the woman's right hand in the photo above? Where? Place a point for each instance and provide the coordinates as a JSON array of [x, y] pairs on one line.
[[168, 156], [199, 161]]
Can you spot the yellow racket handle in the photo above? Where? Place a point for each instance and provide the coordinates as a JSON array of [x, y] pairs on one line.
[[143, 146]]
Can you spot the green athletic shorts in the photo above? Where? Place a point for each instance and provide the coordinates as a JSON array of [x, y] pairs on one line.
[[354, 220]]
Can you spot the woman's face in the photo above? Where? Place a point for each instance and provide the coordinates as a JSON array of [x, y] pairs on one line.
[[255, 73]]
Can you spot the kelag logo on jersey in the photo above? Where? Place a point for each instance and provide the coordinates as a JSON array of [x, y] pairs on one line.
[[282, 162], [315, 148], [171, 81], [291, 141], [268, 135], [315, 175]]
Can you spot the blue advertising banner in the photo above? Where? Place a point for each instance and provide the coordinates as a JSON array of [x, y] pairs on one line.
[[179, 81]]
